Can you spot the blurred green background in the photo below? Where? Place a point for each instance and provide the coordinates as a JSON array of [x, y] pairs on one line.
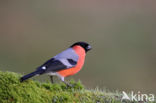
[[122, 34]]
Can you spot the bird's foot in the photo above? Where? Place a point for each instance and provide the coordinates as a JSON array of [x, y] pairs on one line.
[[68, 84]]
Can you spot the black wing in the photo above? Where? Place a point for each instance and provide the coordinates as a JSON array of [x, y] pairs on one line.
[[54, 65]]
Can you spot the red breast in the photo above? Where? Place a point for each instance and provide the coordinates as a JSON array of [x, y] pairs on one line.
[[71, 71]]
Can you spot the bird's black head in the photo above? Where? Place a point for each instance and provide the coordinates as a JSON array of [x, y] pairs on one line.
[[84, 45]]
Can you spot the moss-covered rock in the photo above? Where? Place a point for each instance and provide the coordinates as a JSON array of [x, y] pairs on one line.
[[12, 91]]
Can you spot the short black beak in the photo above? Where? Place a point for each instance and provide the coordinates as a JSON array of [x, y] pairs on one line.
[[89, 47]]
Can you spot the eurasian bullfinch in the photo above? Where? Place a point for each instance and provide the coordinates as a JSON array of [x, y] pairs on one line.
[[67, 63]]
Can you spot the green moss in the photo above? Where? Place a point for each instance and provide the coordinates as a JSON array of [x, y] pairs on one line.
[[12, 91]]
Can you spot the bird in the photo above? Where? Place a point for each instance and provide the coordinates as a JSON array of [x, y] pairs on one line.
[[64, 64]]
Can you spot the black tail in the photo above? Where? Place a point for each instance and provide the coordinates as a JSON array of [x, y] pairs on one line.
[[31, 75]]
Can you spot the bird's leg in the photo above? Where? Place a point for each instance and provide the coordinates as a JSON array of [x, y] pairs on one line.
[[51, 78], [68, 84]]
